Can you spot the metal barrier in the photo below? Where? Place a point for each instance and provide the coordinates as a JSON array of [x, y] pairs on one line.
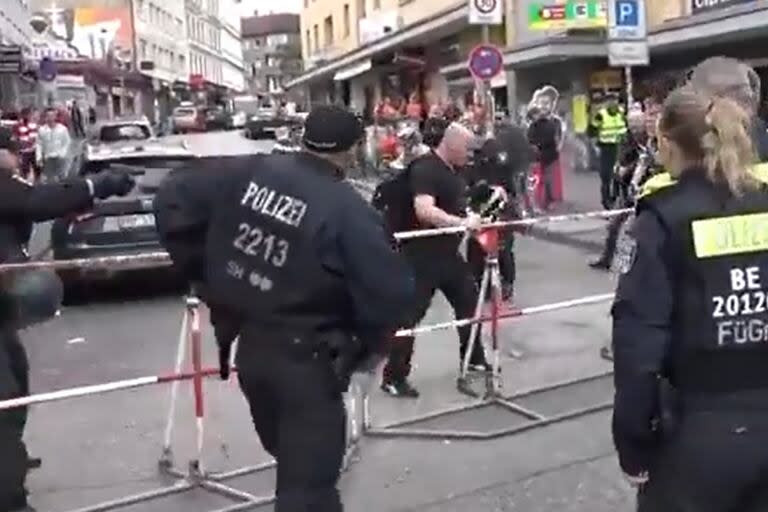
[[493, 388], [358, 406], [195, 475]]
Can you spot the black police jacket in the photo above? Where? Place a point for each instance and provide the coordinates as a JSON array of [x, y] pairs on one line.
[[718, 258], [690, 307], [282, 242], [22, 204]]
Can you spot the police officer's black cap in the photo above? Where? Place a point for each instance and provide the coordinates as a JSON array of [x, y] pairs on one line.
[[7, 141], [331, 129]]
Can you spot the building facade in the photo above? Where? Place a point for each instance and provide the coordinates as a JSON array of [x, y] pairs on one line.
[[215, 47], [233, 66], [15, 30], [162, 53], [359, 51], [93, 46], [272, 51]]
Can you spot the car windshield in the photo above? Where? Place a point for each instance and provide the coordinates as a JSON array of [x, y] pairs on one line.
[[116, 133]]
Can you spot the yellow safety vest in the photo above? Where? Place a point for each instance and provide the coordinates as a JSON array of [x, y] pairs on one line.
[[664, 179], [612, 127]]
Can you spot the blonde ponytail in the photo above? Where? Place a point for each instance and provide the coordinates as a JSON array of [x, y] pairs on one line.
[[714, 132], [727, 145]]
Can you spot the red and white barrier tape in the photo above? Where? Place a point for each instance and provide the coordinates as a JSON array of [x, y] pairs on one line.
[[98, 389], [208, 372], [533, 310], [161, 258], [600, 214]]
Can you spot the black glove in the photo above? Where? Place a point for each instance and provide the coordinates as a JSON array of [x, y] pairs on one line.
[[112, 183]]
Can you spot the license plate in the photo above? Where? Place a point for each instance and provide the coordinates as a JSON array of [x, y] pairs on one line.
[[136, 221], [110, 225], [269, 129]]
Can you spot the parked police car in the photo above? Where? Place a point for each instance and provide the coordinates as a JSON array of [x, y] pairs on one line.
[[120, 225]]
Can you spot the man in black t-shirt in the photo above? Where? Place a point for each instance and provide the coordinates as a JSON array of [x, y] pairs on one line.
[[440, 200]]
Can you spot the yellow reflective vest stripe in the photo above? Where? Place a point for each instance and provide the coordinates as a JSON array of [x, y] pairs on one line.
[[611, 128], [664, 179]]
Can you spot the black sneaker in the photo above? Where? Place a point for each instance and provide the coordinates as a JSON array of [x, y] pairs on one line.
[[600, 264], [400, 389]]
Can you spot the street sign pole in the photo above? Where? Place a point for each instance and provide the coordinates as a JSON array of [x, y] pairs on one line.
[[627, 39], [486, 92], [486, 13], [629, 85]]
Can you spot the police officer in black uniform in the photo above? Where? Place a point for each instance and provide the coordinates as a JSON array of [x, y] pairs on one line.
[[690, 328], [294, 261], [21, 204]]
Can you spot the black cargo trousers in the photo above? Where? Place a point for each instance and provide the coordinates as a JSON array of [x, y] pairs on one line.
[[716, 462], [298, 410], [14, 383], [450, 274]]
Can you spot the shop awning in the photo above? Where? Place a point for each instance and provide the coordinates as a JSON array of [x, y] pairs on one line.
[[554, 50], [726, 25], [445, 22], [548, 50], [353, 71]]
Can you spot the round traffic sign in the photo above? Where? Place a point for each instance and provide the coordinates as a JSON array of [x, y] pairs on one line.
[[47, 69], [485, 62], [485, 6]]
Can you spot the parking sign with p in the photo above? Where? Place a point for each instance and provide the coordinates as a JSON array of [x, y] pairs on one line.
[[626, 19]]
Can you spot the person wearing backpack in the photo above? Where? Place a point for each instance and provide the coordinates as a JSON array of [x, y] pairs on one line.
[[431, 193]]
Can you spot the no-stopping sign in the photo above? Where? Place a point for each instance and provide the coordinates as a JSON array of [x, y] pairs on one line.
[[485, 62]]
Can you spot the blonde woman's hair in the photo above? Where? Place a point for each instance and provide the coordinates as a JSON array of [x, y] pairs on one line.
[[714, 132]]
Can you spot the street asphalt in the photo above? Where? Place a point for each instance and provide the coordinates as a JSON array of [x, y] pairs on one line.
[[107, 446]]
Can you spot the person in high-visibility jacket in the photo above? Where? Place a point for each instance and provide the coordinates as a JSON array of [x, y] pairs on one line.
[[611, 126]]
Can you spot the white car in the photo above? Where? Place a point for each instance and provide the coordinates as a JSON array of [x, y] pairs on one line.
[[238, 120]]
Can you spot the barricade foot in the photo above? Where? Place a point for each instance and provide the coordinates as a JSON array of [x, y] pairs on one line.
[[464, 386], [135, 499], [512, 413], [165, 463]]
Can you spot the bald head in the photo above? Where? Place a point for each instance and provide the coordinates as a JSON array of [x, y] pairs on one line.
[[729, 78], [454, 148]]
